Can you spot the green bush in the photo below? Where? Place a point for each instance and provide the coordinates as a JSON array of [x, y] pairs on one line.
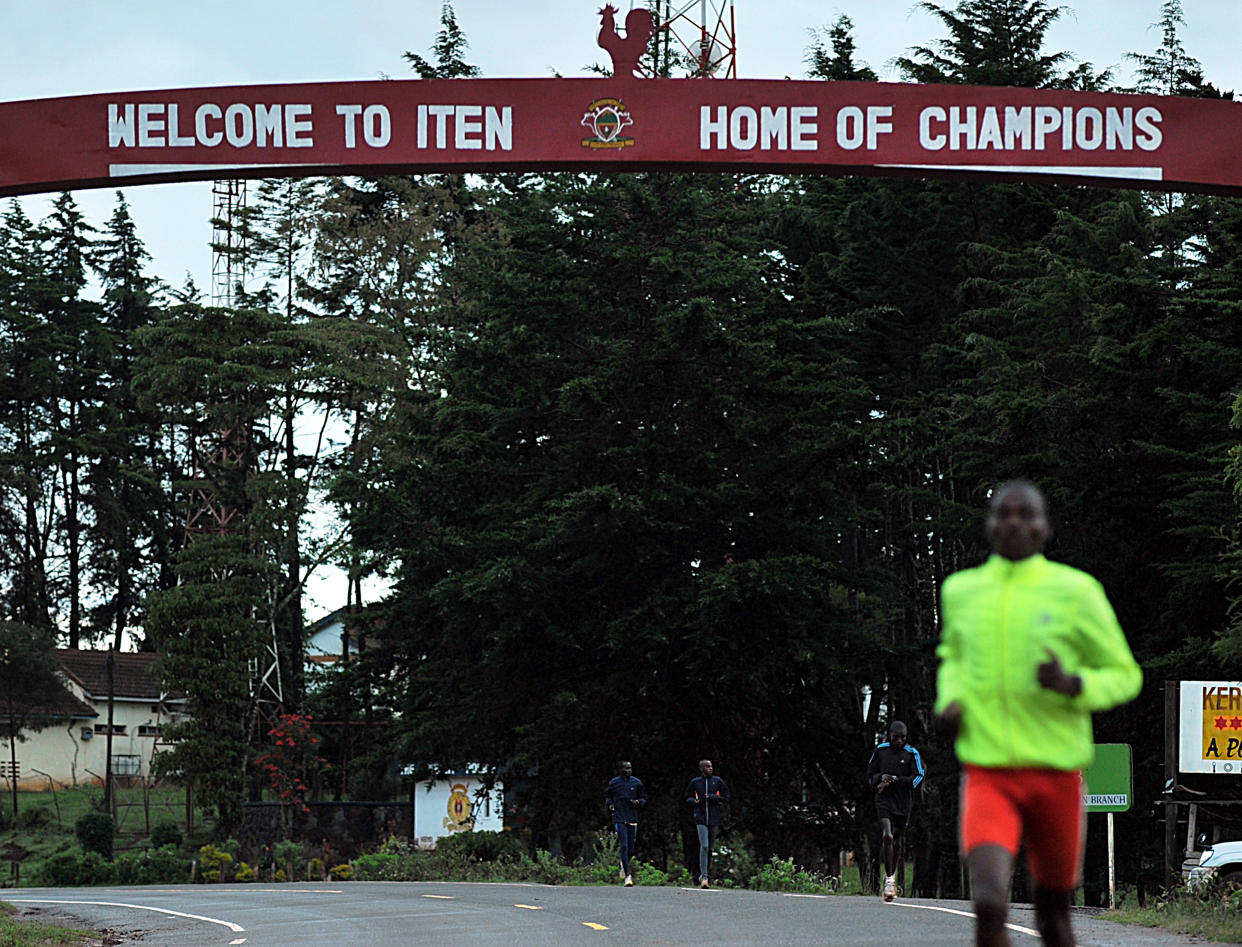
[[59, 871], [95, 833], [162, 866], [166, 833], [482, 846], [213, 864], [603, 861], [288, 856], [784, 875], [314, 869], [341, 872], [680, 876], [288, 851], [244, 873], [94, 869], [735, 864], [396, 845], [69, 870], [379, 866], [35, 817], [600, 873], [645, 874], [551, 871]]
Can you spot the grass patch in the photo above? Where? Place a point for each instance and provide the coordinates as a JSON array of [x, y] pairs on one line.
[[33, 934], [1216, 918], [44, 827]]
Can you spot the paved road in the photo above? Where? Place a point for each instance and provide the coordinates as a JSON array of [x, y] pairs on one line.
[[376, 914]]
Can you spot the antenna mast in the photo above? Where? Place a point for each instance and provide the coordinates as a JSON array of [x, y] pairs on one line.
[[232, 448], [228, 240], [703, 31]]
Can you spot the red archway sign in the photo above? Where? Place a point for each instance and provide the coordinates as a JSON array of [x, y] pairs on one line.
[[407, 126]]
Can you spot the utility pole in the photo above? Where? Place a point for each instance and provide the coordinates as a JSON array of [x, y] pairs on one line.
[[109, 671], [1172, 709]]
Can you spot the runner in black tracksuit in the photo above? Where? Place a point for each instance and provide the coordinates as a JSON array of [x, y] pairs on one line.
[[708, 795], [625, 795], [894, 772]]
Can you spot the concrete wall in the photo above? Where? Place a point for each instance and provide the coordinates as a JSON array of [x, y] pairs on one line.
[[333, 831], [440, 808]]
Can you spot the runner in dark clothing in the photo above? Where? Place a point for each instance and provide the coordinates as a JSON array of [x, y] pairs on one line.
[[894, 772], [625, 795], [708, 795]]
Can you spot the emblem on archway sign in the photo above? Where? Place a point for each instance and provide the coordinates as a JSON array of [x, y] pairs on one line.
[[607, 118]]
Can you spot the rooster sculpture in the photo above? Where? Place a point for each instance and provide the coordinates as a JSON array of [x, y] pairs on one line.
[[628, 49]]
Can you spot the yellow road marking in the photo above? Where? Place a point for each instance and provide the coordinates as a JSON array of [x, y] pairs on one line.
[[442, 897], [529, 907], [594, 926]]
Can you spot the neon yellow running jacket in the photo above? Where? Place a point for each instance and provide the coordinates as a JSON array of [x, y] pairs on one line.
[[999, 619]]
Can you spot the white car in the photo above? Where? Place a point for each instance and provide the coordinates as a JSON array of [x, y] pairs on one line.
[[1221, 863]]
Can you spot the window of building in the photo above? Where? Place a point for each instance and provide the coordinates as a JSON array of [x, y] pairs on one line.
[[118, 729], [148, 730], [126, 764]]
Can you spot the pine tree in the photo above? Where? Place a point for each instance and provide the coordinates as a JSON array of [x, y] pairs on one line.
[[280, 229], [217, 374], [28, 682], [838, 62], [28, 402], [132, 470], [449, 47], [990, 42], [1170, 70], [609, 506], [81, 339]]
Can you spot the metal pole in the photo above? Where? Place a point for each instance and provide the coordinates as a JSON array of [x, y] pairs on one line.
[[1172, 867], [1192, 818], [1112, 867], [108, 668]]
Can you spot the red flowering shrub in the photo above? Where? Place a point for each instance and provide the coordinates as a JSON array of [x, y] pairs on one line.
[[292, 759]]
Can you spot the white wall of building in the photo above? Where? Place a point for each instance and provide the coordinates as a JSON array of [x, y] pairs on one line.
[[456, 803], [72, 753]]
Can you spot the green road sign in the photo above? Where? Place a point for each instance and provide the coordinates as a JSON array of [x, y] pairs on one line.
[[1108, 783]]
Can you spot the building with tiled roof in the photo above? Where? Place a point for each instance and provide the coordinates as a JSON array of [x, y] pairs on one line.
[[71, 747]]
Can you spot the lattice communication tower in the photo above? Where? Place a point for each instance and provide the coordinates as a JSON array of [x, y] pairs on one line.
[[228, 240], [232, 449], [703, 31]]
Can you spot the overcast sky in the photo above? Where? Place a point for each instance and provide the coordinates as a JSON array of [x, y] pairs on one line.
[[74, 47]]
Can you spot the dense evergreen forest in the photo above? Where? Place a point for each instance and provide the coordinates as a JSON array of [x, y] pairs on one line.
[[658, 466]]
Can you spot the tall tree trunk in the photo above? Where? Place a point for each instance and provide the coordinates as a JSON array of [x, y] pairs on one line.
[[73, 533], [290, 617]]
